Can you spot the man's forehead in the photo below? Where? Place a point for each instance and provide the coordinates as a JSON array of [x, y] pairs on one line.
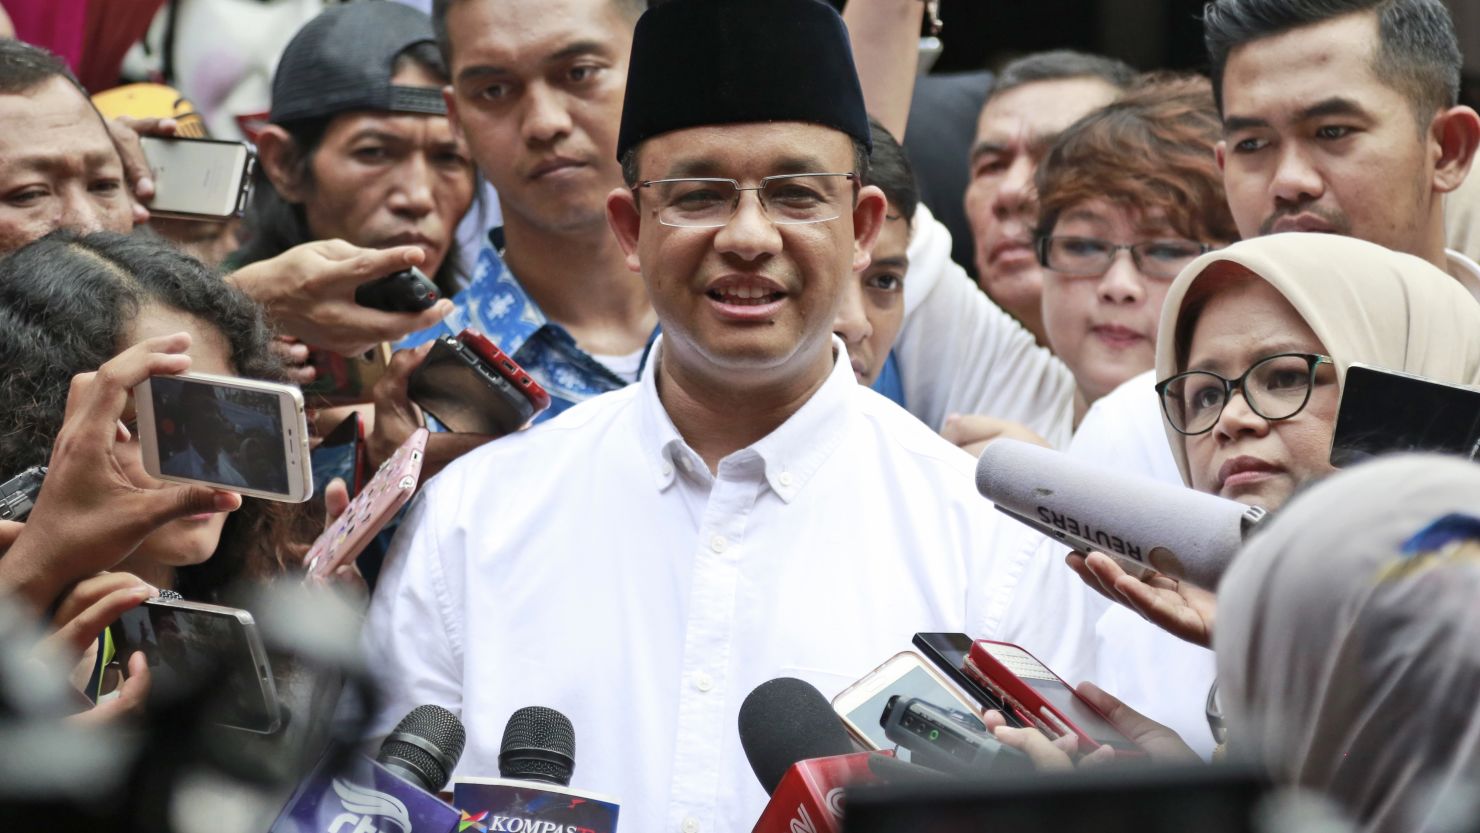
[[1040, 108], [53, 121], [758, 147], [515, 35], [1285, 74]]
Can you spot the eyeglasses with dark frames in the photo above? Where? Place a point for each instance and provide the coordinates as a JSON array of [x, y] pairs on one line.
[[1275, 387]]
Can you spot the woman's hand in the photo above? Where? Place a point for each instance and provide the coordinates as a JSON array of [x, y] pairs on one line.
[[89, 515], [1177, 607], [1062, 754]]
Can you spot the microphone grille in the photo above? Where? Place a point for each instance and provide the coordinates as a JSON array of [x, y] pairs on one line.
[[427, 742], [539, 745]]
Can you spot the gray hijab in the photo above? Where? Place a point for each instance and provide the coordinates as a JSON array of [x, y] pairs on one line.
[[1348, 640]]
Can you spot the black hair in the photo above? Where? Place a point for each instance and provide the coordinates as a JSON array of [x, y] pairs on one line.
[[889, 169], [67, 303], [272, 225], [1418, 50], [632, 9], [1061, 65], [24, 67]]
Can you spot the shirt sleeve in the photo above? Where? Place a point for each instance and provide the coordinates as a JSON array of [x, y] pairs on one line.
[[412, 637], [961, 353]]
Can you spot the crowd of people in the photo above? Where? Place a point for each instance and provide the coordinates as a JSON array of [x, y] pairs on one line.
[[770, 375]]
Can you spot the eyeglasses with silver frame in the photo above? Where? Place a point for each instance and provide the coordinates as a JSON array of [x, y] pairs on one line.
[[786, 199]]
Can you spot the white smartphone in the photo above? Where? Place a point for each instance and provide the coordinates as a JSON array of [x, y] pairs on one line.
[[241, 435], [907, 674], [184, 641], [198, 179]]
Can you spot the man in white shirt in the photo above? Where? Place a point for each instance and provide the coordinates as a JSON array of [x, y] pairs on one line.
[[746, 511]]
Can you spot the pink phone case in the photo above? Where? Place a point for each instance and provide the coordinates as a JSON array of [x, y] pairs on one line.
[[371, 509]]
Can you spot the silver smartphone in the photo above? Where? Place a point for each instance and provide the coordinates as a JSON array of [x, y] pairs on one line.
[[198, 179], [241, 435], [185, 641]]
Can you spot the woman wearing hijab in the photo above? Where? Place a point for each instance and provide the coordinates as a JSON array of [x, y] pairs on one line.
[[1347, 654], [1278, 320]]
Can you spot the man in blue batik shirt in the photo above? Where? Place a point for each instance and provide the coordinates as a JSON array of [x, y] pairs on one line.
[[539, 105]]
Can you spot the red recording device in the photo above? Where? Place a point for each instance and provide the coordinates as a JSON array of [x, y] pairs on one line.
[[1040, 698]]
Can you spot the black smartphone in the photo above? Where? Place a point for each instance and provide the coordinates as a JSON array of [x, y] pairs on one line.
[[1383, 411], [18, 494], [341, 453], [948, 652], [463, 392], [405, 291], [186, 643]]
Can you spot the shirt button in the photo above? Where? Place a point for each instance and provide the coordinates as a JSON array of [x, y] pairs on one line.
[[683, 463], [667, 469], [703, 681], [690, 825], [785, 478], [718, 543]]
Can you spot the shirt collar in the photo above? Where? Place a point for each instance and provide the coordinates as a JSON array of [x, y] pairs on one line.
[[791, 454]]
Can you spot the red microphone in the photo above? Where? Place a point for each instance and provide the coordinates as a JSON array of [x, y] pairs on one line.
[[802, 756]]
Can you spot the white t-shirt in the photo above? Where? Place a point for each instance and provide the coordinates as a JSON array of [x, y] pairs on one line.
[[960, 353], [592, 564]]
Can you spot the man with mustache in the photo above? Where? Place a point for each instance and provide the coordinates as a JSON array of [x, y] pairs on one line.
[[1031, 101], [747, 510]]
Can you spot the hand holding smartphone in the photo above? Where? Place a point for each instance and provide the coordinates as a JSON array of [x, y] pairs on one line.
[[1041, 698], [185, 641], [472, 387], [242, 435], [385, 494], [198, 179]]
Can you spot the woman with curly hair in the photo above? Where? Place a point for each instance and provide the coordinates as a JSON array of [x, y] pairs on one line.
[[68, 303]]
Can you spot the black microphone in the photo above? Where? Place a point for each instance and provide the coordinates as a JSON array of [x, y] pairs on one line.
[[802, 755], [1138, 521], [424, 747], [539, 745], [398, 790], [784, 721], [535, 762]]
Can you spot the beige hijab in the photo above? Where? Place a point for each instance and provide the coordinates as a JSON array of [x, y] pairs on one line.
[[1366, 304], [1350, 666]]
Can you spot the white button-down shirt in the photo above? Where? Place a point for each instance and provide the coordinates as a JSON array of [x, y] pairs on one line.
[[594, 565]]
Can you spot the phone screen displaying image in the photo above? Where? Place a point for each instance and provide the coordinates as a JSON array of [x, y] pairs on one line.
[[916, 682], [224, 435]]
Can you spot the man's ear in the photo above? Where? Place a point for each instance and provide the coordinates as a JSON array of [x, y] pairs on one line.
[[276, 153], [624, 215], [1456, 132], [868, 221], [1220, 153], [451, 101]]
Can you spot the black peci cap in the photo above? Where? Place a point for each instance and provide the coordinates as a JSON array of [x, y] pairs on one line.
[[705, 62], [343, 60]]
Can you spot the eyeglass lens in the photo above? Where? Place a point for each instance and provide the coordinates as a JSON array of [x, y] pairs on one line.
[[801, 198], [1275, 388]]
